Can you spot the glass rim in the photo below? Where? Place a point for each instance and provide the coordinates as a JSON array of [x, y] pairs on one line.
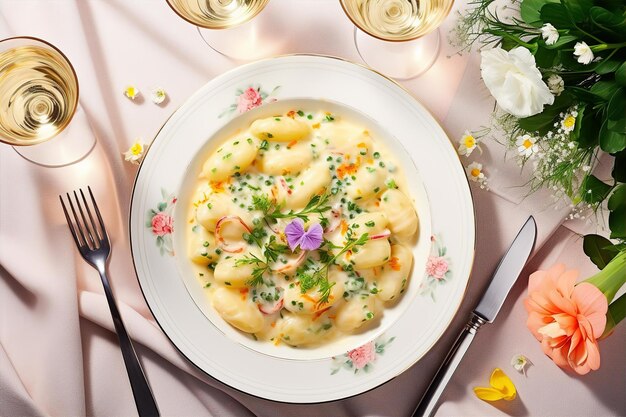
[[354, 22], [188, 20], [75, 77]]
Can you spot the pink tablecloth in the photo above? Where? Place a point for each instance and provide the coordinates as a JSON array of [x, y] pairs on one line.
[[58, 354]]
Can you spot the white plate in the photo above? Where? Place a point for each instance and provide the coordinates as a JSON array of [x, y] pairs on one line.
[[443, 254]]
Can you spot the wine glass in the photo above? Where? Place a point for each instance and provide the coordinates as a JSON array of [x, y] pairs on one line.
[[38, 100], [227, 26], [399, 38]]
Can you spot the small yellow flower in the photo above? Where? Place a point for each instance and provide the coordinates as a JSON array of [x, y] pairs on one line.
[[526, 145], [467, 144], [520, 362], [502, 388], [131, 92], [135, 153], [158, 95], [568, 123], [475, 174]]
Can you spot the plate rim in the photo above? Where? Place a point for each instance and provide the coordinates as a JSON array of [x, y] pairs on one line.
[[449, 143]]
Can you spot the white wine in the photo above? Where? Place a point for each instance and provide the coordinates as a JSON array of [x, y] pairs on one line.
[[217, 14], [38, 91], [397, 20]]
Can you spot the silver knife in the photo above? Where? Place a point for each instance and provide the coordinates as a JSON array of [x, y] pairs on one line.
[[506, 274]]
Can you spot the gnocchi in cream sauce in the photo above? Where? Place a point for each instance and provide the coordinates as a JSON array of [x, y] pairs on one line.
[[301, 229]]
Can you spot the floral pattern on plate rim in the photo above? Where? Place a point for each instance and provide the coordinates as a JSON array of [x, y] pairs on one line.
[[361, 358], [161, 222], [248, 99], [438, 269]]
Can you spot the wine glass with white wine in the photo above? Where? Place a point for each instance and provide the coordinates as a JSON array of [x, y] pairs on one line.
[[38, 100], [399, 38], [237, 29]]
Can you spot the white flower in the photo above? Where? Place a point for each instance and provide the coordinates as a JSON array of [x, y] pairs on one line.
[[520, 362], [569, 122], [549, 34], [475, 173], [135, 153], [583, 52], [526, 145], [513, 79], [158, 95], [131, 92], [556, 84], [467, 144]]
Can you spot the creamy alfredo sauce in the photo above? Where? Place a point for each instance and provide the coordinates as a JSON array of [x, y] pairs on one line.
[[321, 169]]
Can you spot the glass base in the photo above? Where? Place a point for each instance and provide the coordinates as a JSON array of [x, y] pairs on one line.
[[263, 36], [399, 60], [73, 144]]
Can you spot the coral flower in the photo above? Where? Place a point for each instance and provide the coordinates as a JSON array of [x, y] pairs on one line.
[[566, 318]]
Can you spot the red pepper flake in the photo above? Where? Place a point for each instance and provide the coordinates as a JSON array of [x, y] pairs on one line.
[[217, 187], [346, 169], [344, 227], [292, 144], [292, 114]]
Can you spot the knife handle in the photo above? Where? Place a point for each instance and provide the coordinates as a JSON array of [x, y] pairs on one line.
[[426, 406]]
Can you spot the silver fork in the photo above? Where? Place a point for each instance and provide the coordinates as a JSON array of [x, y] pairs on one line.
[[93, 244]]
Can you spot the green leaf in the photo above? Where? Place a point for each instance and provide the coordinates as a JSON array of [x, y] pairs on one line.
[[162, 206], [563, 40], [617, 105], [545, 57], [607, 66], [543, 121], [617, 223], [604, 89], [615, 23], [620, 75], [618, 126], [594, 190], [529, 10], [578, 9], [619, 167], [618, 198], [595, 247], [587, 130], [557, 15], [611, 141]]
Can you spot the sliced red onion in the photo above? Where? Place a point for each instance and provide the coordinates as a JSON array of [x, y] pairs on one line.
[[271, 309], [384, 234], [292, 265], [229, 247], [284, 184], [335, 219]]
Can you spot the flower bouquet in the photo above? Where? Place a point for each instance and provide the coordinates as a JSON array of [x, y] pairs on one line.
[[557, 69]]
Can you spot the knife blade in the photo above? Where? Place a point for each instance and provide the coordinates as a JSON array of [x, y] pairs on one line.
[[504, 277]]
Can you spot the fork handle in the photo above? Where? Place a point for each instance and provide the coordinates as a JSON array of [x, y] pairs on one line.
[[144, 400]]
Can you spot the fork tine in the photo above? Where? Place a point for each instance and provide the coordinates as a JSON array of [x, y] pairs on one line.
[[77, 221], [96, 232], [95, 205], [85, 225], [70, 223]]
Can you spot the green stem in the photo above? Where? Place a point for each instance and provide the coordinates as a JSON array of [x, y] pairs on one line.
[[612, 277], [616, 313], [606, 46]]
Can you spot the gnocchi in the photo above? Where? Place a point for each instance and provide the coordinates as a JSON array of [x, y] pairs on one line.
[[298, 231]]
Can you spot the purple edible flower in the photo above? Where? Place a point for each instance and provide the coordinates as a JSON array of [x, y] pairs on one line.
[[307, 240]]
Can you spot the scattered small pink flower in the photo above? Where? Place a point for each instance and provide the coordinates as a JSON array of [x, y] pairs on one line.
[[363, 355], [436, 267], [248, 100], [162, 224]]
